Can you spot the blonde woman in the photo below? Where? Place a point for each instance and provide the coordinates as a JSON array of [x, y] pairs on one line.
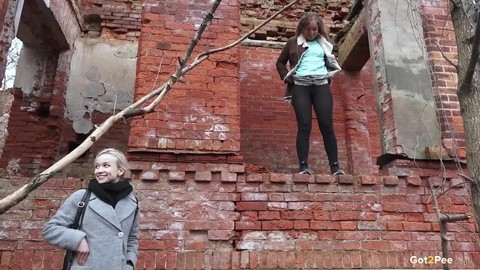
[[108, 237]]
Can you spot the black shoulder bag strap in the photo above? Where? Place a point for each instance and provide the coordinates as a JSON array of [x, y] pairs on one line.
[[77, 223], [81, 206]]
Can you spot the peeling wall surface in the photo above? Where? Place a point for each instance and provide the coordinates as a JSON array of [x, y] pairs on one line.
[[102, 79], [28, 77]]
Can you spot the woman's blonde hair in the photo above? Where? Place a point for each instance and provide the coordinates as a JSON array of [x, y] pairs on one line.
[[308, 17], [122, 161]]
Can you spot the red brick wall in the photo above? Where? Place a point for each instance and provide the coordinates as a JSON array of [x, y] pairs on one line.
[[116, 137], [386, 118], [34, 132], [202, 114], [120, 18], [215, 216], [37, 122], [207, 213], [268, 123], [441, 44], [269, 127], [361, 127], [63, 13], [334, 15]]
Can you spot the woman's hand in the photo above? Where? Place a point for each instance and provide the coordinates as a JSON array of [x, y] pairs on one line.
[[289, 80], [82, 252]]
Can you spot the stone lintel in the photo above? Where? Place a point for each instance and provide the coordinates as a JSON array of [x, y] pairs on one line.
[[354, 52]]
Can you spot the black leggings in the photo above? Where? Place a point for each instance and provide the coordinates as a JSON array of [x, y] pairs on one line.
[[320, 96]]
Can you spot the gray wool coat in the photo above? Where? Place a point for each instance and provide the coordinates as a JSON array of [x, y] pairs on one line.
[[112, 234]]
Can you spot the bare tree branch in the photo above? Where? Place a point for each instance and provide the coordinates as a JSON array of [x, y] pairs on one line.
[[132, 110], [247, 34], [467, 80], [454, 218], [443, 219], [466, 177], [204, 55], [445, 57], [443, 228]]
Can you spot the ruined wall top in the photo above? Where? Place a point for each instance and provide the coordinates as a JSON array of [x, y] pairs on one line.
[[112, 19], [334, 14]]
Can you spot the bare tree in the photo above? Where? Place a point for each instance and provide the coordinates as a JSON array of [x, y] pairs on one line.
[[11, 64], [137, 108], [465, 16]]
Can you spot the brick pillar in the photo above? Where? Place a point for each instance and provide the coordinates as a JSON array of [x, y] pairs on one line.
[[442, 49], [202, 113], [361, 126], [407, 112]]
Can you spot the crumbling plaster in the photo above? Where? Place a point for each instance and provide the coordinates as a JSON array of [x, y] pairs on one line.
[[6, 100], [29, 75], [102, 79]]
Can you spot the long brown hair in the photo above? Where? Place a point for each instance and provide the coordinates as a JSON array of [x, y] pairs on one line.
[[308, 17]]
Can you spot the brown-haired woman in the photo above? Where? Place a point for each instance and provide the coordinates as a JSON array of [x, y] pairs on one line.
[[312, 65]]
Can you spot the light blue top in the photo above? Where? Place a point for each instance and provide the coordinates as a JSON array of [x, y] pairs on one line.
[[313, 61]]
